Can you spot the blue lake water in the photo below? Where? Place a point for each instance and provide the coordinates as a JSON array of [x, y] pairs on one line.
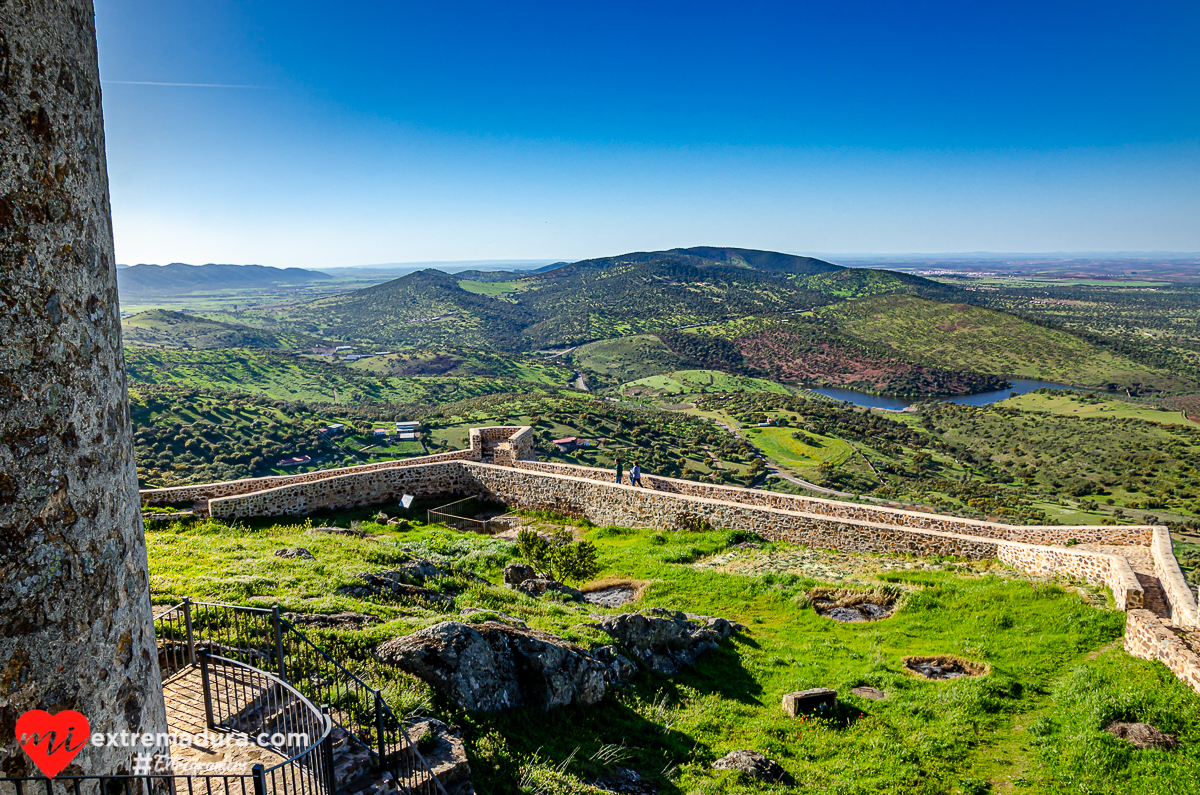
[[1019, 385]]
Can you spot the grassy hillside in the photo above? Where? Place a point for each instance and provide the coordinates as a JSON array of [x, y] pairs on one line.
[[575, 303], [454, 361], [186, 435], [963, 337], [862, 282], [162, 328], [1034, 722], [680, 383], [628, 358], [291, 377]]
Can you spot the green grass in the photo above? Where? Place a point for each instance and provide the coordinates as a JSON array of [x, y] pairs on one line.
[[963, 337], [628, 358], [1033, 724], [687, 382], [494, 289], [1094, 406], [809, 452]]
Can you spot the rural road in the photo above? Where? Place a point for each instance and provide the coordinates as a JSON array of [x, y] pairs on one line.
[[580, 383]]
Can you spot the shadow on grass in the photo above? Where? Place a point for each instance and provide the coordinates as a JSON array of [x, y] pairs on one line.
[[596, 740], [721, 672]]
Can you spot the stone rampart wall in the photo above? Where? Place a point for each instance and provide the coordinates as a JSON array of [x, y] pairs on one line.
[[1184, 612], [350, 490], [608, 503], [209, 491], [1114, 534], [1147, 638], [1098, 568]]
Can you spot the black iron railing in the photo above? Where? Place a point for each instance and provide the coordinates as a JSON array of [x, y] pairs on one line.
[[263, 639], [243, 704]]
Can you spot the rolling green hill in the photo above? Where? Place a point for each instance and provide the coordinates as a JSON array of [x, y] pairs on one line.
[[162, 328], [290, 377], [964, 337], [585, 301]]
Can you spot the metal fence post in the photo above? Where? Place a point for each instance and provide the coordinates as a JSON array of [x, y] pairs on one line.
[[327, 753], [187, 620], [208, 709], [278, 642], [379, 741], [260, 780]]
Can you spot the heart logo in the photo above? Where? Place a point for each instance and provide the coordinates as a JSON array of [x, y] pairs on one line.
[[52, 741]]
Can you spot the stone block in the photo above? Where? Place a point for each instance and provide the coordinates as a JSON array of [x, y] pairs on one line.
[[818, 699]]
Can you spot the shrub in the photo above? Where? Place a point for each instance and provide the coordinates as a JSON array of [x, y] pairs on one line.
[[560, 557]]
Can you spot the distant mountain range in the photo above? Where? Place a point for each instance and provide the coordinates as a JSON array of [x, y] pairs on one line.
[[148, 281]]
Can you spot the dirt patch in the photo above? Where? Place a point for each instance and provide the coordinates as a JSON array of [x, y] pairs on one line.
[[613, 594], [852, 606], [944, 666], [1141, 735]]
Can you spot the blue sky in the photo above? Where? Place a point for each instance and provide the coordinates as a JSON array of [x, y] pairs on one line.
[[363, 132]]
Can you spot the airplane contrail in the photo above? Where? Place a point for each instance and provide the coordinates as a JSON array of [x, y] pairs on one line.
[[187, 85]]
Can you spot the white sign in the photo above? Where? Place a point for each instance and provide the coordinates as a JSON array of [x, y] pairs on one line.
[[406, 501]]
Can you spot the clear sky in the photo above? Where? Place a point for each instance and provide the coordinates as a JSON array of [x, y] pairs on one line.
[[325, 134]]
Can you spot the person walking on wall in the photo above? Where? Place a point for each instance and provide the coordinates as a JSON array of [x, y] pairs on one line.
[[635, 475], [620, 464]]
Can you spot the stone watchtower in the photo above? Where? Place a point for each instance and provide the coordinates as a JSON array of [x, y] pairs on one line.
[[75, 621]]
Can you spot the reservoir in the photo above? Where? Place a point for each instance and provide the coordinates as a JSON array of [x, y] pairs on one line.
[[1019, 385]]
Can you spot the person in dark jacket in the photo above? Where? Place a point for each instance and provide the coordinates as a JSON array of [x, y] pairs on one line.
[[620, 464]]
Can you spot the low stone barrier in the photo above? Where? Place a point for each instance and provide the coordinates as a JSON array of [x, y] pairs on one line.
[[349, 490], [1184, 612], [1098, 568], [1147, 638], [1027, 534], [227, 488]]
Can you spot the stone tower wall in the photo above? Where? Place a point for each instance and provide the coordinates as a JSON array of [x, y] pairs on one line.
[[75, 622]]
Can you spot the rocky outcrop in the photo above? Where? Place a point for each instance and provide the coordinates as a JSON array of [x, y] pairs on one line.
[[330, 620], [539, 586], [1141, 735], [755, 765], [517, 573], [493, 666], [442, 747], [620, 668], [666, 641], [294, 552], [391, 585]]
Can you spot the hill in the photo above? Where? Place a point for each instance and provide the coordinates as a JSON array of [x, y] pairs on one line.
[[142, 281], [161, 328], [965, 337], [585, 301]]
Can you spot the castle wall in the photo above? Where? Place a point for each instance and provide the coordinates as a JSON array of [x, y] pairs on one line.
[[1146, 637], [1112, 534], [610, 504], [228, 488], [1182, 600]]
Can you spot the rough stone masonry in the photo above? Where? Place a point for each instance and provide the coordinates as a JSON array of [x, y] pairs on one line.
[[75, 624]]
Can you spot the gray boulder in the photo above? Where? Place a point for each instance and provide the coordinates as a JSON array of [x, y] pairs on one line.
[[493, 666], [443, 750], [620, 667], [294, 552], [755, 765], [666, 641], [540, 587], [345, 620], [517, 573], [388, 584]]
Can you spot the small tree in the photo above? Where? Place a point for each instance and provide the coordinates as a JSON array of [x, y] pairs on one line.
[[558, 556]]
